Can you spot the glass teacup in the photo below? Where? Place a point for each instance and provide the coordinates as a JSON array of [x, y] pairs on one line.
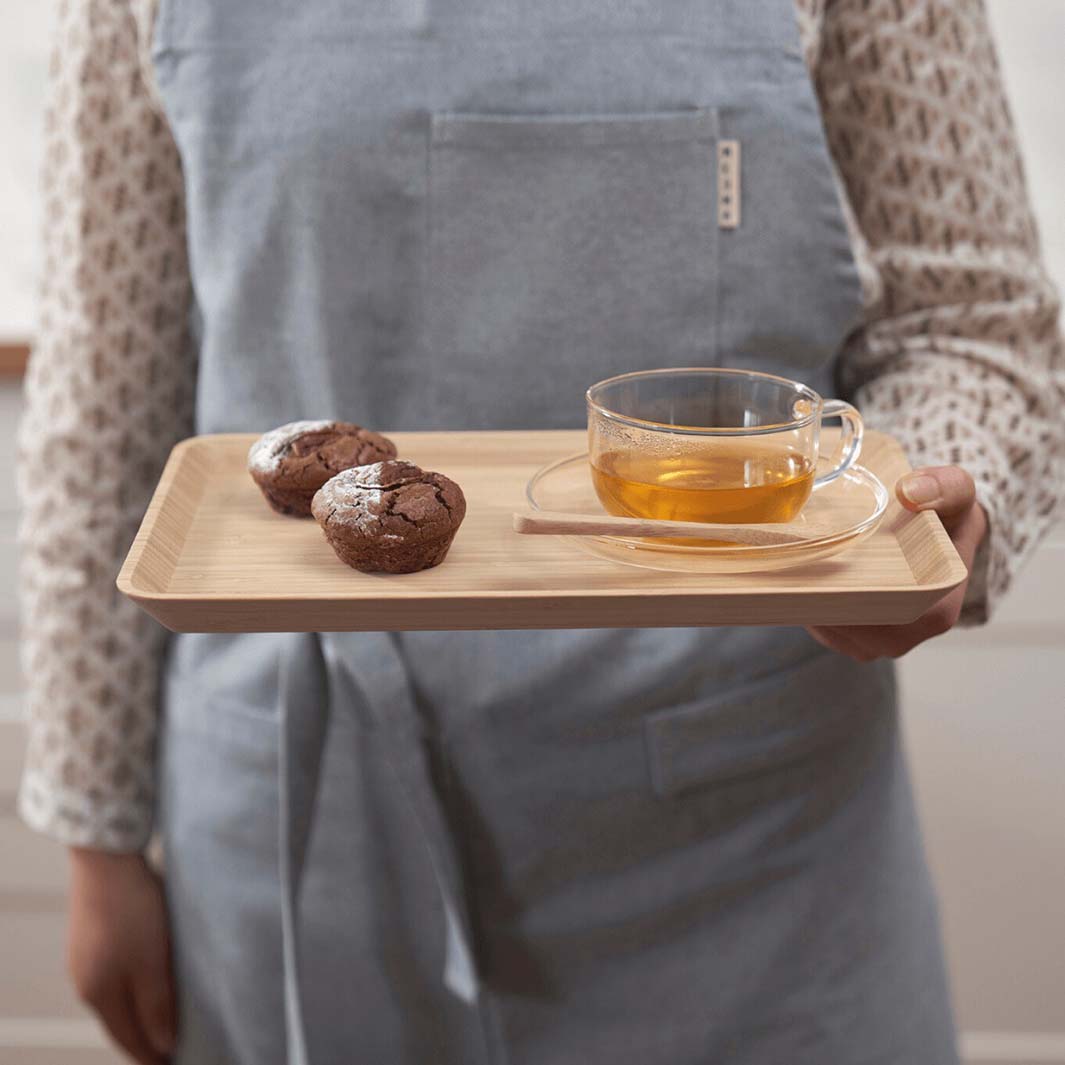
[[714, 445]]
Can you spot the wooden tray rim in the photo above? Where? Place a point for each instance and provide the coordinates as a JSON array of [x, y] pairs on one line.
[[126, 581]]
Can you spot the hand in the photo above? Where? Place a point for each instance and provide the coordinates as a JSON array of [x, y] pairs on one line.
[[119, 951], [950, 492]]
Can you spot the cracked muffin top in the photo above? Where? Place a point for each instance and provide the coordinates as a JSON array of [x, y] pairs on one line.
[[388, 502], [292, 462]]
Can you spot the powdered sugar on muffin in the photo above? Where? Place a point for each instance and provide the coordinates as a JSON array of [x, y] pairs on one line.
[[390, 516], [290, 463]]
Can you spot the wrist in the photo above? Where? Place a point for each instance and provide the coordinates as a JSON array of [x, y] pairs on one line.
[[89, 863]]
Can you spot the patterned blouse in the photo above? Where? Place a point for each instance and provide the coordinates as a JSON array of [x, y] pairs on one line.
[[959, 355]]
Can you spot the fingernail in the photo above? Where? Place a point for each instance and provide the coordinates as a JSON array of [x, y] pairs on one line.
[[921, 491]]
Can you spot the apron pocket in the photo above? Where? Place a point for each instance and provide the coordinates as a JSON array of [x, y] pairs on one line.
[[566, 248], [765, 727]]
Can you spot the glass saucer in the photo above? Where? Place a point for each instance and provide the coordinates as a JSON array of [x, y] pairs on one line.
[[850, 508]]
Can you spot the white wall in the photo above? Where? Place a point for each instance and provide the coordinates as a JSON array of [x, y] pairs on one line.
[[985, 711], [1031, 36], [24, 42]]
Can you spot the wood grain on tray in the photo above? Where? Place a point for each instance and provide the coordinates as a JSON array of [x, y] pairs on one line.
[[211, 557]]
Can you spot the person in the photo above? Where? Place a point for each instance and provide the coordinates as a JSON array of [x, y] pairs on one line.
[[625, 845]]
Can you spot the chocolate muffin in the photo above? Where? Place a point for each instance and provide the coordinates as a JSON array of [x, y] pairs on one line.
[[292, 462], [390, 517]]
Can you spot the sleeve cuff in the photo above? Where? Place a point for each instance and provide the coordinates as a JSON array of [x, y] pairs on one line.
[[988, 574], [80, 820]]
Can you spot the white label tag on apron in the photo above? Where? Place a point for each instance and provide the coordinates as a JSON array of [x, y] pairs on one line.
[[728, 184]]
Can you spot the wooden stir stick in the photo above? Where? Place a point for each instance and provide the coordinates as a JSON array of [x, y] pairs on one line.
[[558, 523]]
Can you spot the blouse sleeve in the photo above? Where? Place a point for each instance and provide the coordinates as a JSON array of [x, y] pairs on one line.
[[960, 356], [108, 391]]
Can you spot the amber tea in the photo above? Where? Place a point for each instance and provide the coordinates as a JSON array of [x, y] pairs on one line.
[[716, 486], [710, 444]]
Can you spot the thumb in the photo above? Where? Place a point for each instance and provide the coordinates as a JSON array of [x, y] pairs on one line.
[[948, 490]]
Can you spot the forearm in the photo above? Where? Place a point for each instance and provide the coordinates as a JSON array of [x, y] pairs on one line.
[[923, 401], [108, 391], [960, 356]]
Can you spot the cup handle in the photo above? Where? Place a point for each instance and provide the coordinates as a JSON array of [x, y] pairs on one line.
[[850, 442]]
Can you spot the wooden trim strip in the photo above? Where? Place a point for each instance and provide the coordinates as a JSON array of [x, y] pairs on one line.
[[13, 359], [54, 1033], [1027, 1047]]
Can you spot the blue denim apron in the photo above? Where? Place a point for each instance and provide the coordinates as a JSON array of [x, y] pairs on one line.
[[623, 846]]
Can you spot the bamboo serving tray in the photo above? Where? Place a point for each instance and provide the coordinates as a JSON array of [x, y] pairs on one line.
[[210, 556]]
